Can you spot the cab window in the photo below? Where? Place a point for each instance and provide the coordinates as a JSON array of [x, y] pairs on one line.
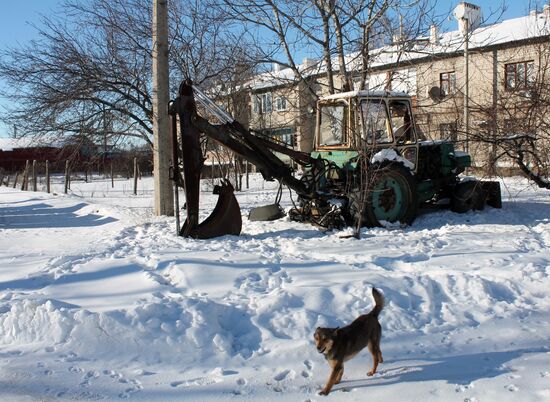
[[375, 122], [333, 124], [400, 115]]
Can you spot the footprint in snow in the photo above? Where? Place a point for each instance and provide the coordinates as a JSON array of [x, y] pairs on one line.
[[144, 372], [200, 381], [86, 380], [512, 388], [464, 388], [284, 374], [135, 387], [307, 373], [75, 369], [396, 371], [114, 375]]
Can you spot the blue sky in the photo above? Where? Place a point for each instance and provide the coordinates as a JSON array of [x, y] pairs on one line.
[[17, 17]]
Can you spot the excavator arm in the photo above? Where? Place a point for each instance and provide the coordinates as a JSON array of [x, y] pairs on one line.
[[226, 217]]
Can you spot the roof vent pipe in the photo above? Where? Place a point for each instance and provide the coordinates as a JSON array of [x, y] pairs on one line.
[[434, 35], [468, 16]]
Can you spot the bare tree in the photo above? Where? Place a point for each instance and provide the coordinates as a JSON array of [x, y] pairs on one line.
[[330, 30], [516, 127], [93, 62]]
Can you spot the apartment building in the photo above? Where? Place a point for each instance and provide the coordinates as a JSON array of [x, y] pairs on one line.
[[466, 84]]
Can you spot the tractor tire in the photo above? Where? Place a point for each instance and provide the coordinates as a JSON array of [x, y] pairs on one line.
[[468, 195], [390, 196]]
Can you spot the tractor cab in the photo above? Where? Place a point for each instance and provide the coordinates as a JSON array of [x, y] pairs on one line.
[[364, 121]]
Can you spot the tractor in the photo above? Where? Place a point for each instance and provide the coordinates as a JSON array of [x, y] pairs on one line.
[[368, 167]]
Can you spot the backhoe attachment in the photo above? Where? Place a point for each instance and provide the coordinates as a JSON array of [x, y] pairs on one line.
[[226, 217]]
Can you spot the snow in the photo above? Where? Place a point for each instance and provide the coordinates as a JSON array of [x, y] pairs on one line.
[[99, 300], [507, 31], [391, 155], [10, 143]]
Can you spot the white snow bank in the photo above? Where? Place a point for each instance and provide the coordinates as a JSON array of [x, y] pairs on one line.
[[99, 300]]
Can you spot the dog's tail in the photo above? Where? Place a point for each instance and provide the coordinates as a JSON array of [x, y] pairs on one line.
[[379, 302]]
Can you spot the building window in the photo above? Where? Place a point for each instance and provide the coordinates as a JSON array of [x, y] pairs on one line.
[[448, 131], [447, 83], [266, 102], [284, 135], [256, 103], [280, 103], [262, 103], [519, 75]]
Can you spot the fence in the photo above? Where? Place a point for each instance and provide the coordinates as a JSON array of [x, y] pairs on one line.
[[31, 174]]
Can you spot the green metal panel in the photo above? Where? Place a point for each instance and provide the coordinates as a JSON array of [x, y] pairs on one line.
[[447, 158], [462, 161], [453, 162], [425, 191], [340, 158]]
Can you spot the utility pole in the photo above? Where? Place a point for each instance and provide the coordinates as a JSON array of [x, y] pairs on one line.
[[469, 18], [164, 203], [466, 86]]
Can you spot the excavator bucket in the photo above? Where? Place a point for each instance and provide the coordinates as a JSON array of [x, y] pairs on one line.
[[224, 220], [226, 217]]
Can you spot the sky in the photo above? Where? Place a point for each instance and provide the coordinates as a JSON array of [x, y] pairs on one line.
[[17, 19]]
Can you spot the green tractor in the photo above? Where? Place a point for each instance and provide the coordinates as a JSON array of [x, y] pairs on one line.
[[369, 165], [373, 157]]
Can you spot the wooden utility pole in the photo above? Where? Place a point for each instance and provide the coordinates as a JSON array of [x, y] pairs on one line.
[[48, 177], [466, 86], [25, 183], [164, 203], [135, 175], [34, 180], [67, 175]]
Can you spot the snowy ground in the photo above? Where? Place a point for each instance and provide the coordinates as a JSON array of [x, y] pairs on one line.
[[99, 300]]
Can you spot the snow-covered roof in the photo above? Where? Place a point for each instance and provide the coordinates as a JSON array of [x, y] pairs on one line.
[[353, 94], [512, 30], [9, 144]]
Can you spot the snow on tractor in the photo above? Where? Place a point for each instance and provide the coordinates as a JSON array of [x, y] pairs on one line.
[[368, 167]]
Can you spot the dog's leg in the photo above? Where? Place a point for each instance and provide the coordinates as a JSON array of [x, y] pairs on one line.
[[375, 352], [336, 368], [380, 358], [340, 374]]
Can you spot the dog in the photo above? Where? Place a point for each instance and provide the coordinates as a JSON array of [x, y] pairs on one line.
[[341, 344]]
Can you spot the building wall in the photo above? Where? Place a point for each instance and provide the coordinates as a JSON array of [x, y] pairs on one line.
[[490, 103], [439, 117]]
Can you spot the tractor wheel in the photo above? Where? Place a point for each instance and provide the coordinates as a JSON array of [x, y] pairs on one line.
[[467, 195], [390, 196]]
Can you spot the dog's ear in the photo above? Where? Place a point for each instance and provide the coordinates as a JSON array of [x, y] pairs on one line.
[[336, 332]]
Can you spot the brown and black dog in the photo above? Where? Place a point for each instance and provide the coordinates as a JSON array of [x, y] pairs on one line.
[[341, 344]]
